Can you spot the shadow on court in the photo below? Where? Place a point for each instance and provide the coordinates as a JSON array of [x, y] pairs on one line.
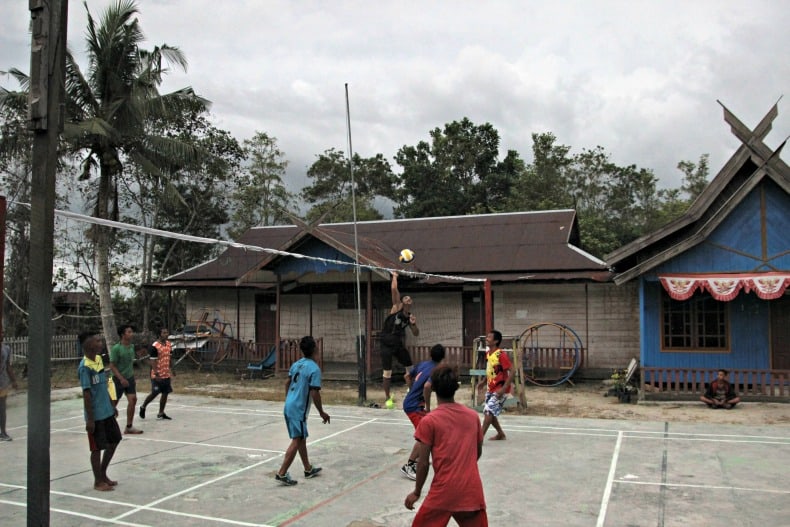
[[214, 465]]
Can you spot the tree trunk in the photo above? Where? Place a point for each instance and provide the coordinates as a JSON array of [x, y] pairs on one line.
[[101, 243]]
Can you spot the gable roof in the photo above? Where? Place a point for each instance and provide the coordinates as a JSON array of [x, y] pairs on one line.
[[503, 247], [750, 165]]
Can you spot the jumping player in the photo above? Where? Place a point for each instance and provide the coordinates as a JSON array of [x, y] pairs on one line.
[[393, 336]]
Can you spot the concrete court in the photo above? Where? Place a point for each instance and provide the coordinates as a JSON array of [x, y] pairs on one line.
[[214, 464]]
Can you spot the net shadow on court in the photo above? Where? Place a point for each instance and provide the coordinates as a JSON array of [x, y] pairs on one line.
[[214, 465]]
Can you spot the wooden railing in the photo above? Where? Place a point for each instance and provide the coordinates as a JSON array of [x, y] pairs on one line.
[[692, 382]]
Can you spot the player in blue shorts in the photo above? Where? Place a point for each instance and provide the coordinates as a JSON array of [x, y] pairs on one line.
[[302, 387]]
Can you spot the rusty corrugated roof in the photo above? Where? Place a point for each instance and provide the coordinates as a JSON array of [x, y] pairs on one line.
[[510, 246]]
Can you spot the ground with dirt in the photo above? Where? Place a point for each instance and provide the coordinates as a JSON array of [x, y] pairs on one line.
[[585, 400]]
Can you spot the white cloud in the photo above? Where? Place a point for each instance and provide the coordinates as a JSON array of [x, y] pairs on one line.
[[639, 78]]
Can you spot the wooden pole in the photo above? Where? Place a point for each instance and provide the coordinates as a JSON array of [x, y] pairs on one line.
[[46, 96]]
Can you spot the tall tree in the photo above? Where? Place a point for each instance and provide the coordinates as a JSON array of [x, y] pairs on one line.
[[108, 112], [15, 177], [458, 172], [260, 197], [331, 190]]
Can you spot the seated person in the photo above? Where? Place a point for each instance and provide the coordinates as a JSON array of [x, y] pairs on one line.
[[721, 393]]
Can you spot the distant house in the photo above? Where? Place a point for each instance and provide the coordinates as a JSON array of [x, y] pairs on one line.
[[70, 308], [536, 271], [713, 285]]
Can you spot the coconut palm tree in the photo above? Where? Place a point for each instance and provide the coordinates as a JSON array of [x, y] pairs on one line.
[[108, 126]]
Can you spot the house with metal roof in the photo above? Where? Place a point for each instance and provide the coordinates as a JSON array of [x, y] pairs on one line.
[[507, 271], [713, 284]]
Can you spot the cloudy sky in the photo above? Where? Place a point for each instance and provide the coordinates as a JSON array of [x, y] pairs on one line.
[[639, 78]]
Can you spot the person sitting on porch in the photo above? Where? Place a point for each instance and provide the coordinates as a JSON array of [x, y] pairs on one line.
[[721, 393]]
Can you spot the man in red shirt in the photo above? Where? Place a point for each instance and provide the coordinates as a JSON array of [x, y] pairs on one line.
[[451, 436], [499, 379], [159, 355]]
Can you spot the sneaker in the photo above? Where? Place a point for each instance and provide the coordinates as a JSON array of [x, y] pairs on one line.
[[164, 417], [132, 430], [313, 472], [5, 437], [285, 480], [390, 404], [142, 412], [409, 471]]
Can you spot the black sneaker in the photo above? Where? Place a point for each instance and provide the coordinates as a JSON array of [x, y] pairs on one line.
[[285, 480], [313, 472], [164, 417], [142, 412], [409, 470]]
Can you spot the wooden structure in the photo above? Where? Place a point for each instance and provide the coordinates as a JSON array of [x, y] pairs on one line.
[[713, 284]]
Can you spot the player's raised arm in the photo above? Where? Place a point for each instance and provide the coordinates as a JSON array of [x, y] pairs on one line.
[[396, 303]]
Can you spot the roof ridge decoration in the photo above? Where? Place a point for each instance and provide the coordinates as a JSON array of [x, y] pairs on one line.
[[768, 163]]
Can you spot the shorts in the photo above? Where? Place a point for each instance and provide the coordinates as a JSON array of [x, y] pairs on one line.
[[106, 434], [398, 351], [129, 390], [4, 392], [296, 428], [416, 417], [161, 386], [494, 404], [431, 517]]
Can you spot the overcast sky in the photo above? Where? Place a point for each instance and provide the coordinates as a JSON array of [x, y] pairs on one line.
[[639, 78]]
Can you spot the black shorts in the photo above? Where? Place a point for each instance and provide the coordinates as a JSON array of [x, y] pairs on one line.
[[161, 386], [129, 390], [106, 433], [399, 351]]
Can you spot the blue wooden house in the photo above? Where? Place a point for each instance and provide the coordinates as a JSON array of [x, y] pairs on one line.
[[714, 285]]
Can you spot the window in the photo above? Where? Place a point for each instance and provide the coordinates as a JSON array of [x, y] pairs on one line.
[[699, 323]]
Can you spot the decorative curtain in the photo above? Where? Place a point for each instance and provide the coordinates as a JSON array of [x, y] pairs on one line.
[[724, 287]]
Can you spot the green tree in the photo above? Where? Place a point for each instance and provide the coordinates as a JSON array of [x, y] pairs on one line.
[[695, 177], [260, 197], [330, 192], [109, 111], [543, 184], [458, 172]]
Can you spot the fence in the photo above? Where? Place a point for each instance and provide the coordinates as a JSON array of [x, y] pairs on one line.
[[63, 347]]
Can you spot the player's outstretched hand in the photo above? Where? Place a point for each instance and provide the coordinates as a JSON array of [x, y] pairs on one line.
[[325, 417]]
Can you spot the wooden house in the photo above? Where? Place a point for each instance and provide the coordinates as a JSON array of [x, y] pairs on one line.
[[281, 282], [713, 285]]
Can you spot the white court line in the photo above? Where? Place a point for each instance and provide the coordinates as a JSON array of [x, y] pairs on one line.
[[230, 474], [214, 445], [694, 486], [609, 480], [98, 519]]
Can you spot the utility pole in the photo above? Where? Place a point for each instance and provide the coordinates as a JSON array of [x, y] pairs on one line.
[[46, 113]]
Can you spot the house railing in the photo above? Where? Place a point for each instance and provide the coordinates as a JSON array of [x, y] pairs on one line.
[[661, 382]]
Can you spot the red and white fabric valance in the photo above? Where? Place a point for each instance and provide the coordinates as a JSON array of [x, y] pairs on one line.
[[724, 287]]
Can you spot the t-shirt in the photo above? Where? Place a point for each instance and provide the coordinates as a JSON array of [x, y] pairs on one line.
[[93, 377], [497, 366], [5, 363], [159, 354], [720, 391], [305, 375], [393, 330], [453, 431], [421, 374], [123, 357]]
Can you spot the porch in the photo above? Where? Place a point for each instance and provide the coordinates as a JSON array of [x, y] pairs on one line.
[[662, 383]]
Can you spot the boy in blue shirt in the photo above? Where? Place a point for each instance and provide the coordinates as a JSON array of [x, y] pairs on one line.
[[417, 403], [103, 431], [302, 386]]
